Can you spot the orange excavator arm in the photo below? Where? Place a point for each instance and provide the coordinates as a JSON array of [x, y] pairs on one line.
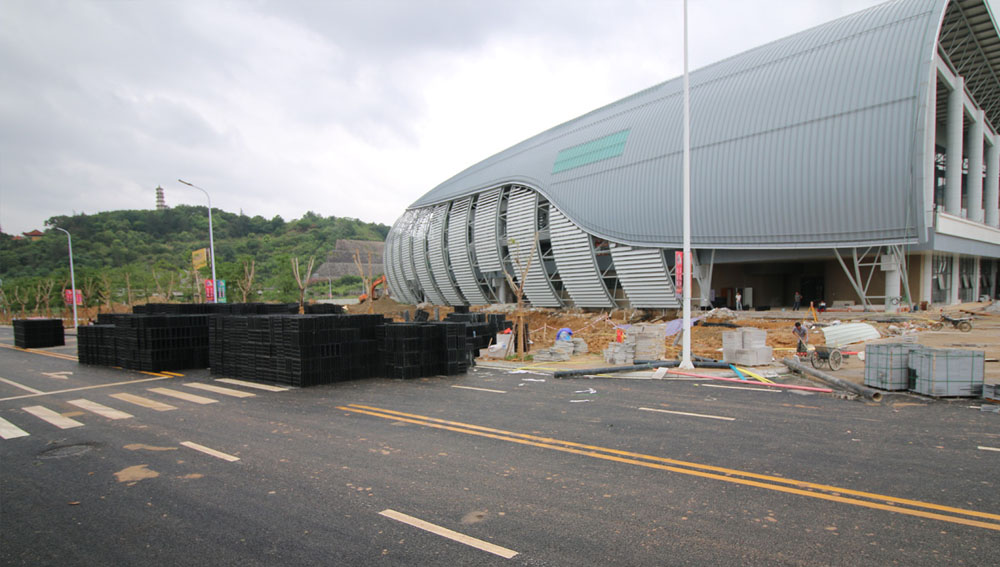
[[371, 290]]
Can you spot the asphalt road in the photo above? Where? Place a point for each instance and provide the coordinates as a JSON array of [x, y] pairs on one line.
[[490, 468]]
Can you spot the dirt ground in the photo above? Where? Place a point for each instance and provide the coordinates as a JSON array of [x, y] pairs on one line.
[[599, 328]]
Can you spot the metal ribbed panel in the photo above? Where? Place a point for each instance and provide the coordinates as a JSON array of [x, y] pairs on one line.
[[459, 252], [574, 256], [404, 249], [436, 253], [485, 231], [823, 120], [644, 276], [393, 264], [522, 224], [421, 264]]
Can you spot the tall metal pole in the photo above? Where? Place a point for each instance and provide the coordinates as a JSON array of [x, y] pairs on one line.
[[72, 276], [211, 239], [686, 295]]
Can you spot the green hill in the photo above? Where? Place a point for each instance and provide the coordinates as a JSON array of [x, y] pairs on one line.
[[128, 256]]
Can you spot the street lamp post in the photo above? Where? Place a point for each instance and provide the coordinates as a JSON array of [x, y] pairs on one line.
[[211, 239], [72, 276], [686, 253]]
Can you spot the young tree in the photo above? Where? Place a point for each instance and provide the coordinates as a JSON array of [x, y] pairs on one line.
[[43, 296], [245, 283], [303, 282], [366, 279]]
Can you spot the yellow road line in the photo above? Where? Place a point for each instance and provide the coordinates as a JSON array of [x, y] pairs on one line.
[[726, 474], [41, 352]]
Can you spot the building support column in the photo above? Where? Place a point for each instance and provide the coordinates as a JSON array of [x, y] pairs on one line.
[[974, 180], [953, 173], [975, 279], [956, 279], [926, 278], [991, 200], [891, 265]]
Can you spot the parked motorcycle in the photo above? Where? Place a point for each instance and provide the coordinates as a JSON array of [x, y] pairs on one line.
[[963, 324]]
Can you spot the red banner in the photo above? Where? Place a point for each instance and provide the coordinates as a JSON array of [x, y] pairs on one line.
[[679, 271], [68, 297], [209, 291]]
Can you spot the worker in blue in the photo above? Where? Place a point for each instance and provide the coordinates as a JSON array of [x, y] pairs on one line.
[[564, 334]]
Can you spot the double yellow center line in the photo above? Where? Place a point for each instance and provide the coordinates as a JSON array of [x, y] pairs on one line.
[[809, 489]]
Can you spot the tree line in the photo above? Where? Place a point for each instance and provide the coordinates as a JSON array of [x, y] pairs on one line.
[[138, 256]]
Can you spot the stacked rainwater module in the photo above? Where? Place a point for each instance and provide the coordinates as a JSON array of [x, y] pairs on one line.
[[415, 350], [96, 345], [153, 343], [481, 328], [298, 350], [38, 333]]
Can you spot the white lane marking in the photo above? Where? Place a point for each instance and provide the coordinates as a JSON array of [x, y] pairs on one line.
[[265, 387], [691, 414], [144, 402], [981, 448], [183, 396], [738, 388], [220, 390], [481, 389], [446, 533], [60, 421], [85, 388], [10, 431], [208, 451], [100, 409], [21, 386]]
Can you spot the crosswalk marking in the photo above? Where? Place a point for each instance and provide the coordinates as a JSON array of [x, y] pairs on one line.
[[44, 413], [220, 390], [208, 451], [183, 396], [10, 431], [144, 402], [100, 409], [265, 387]]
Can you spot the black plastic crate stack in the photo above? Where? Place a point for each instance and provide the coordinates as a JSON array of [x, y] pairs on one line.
[[161, 342], [298, 350], [453, 348], [481, 328], [402, 350], [216, 308], [38, 333], [95, 344], [324, 309]]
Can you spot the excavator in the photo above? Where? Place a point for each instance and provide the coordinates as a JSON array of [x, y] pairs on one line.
[[373, 292]]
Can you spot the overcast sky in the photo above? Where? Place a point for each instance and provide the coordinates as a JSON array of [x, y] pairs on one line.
[[350, 109]]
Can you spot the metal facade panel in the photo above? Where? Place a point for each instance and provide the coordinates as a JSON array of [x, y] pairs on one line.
[[575, 260], [389, 260], [522, 225], [437, 254], [459, 252], [486, 232], [826, 120], [421, 261], [644, 276], [405, 250], [394, 249]]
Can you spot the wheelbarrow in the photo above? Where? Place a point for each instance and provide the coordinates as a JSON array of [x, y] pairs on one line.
[[832, 357]]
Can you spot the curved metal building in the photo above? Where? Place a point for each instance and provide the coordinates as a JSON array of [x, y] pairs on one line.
[[834, 161]]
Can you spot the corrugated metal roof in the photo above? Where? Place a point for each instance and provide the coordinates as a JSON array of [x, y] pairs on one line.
[[809, 141]]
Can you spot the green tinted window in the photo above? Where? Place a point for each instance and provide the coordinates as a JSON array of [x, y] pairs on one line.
[[609, 146]]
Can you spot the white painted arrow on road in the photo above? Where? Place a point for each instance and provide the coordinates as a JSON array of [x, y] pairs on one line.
[[587, 391], [60, 375]]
